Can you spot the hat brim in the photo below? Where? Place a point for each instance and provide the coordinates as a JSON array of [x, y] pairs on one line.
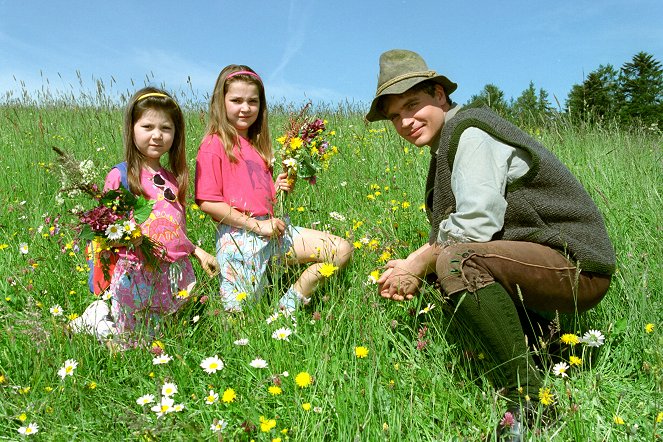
[[375, 114]]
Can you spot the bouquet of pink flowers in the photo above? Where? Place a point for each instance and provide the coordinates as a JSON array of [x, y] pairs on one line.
[[115, 219], [304, 152]]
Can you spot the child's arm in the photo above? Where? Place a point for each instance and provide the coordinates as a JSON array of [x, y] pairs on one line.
[[207, 261], [226, 214]]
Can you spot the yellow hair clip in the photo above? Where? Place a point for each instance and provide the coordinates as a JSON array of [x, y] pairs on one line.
[[151, 94]]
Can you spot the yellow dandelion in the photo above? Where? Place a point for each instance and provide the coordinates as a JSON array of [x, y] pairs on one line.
[[575, 361], [274, 390], [241, 296], [618, 420], [183, 294], [23, 417], [659, 417], [229, 396], [327, 269], [545, 397], [570, 339], [306, 406], [303, 379], [357, 244], [361, 352], [296, 143], [385, 256], [649, 327], [266, 425]]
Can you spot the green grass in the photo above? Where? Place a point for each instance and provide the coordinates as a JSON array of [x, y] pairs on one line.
[[396, 393]]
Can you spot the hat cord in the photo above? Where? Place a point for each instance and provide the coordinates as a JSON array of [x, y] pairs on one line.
[[405, 77]]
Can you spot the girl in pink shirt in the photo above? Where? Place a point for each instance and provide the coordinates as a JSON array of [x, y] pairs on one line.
[[234, 186], [141, 294]]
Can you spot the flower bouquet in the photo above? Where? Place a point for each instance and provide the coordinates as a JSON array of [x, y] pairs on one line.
[[113, 222], [304, 152]]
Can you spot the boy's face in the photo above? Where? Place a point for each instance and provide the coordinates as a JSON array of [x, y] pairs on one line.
[[417, 117]]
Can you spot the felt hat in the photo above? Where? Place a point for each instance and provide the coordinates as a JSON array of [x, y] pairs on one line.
[[399, 71]]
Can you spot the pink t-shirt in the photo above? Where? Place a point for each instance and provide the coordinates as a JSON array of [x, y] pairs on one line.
[[167, 222], [246, 185]]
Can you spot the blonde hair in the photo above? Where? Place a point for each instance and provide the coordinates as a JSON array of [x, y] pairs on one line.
[[219, 125], [151, 98]]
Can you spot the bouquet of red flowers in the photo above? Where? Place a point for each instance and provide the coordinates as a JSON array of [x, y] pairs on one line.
[[113, 222]]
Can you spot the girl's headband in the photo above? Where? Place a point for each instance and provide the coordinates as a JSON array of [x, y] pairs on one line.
[[252, 74], [155, 94]]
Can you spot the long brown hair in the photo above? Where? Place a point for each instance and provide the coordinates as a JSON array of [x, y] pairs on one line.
[[218, 123], [140, 102]]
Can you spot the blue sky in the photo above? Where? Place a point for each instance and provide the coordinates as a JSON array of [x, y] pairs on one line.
[[326, 51]]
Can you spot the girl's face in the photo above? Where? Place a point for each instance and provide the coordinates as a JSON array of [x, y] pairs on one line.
[[154, 133], [242, 102]]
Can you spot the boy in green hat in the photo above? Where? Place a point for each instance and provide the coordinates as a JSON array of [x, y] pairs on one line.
[[511, 228]]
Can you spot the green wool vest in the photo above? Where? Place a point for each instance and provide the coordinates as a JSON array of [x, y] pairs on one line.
[[548, 205]]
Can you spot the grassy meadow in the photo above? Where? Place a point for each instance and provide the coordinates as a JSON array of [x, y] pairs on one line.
[[423, 377]]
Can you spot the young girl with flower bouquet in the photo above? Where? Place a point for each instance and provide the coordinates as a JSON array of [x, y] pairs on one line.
[[234, 185], [142, 288]]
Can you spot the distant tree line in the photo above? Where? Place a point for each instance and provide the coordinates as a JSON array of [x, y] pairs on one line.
[[632, 95]]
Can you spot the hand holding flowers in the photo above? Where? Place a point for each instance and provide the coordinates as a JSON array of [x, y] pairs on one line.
[[115, 219]]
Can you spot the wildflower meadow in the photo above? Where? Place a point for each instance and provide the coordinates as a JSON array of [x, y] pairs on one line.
[[350, 366]]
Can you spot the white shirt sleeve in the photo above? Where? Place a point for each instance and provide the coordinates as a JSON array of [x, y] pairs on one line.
[[481, 170]]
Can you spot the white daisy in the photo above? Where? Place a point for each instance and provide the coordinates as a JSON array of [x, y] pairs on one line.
[[114, 232], [163, 407], [212, 397], [560, 369], [282, 334], [218, 425], [195, 319], [427, 309], [107, 295], [290, 163], [178, 407], [129, 226], [162, 359], [145, 399], [258, 363], [56, 310], [212, 365], [593, 338], [68, 368], [337, 216], [168, 389], [273, 317], [243, 341], [31, 429], [23, 248]]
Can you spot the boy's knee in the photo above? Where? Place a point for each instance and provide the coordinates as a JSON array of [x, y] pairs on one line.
[[443, 265]]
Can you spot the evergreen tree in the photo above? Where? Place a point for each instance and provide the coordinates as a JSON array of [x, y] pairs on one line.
[[531, 109], [598, 97], [493, 97], [641, 83]]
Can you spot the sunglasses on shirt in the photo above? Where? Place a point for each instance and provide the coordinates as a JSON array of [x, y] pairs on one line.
[[160, 183]]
